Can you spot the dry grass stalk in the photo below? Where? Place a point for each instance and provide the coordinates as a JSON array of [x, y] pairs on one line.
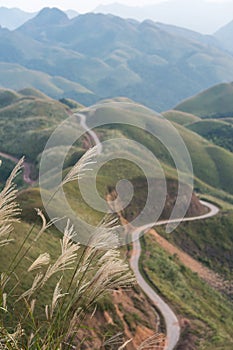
[[93, 271], [9, 209]]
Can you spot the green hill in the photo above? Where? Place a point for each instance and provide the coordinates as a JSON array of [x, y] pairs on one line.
[[181, 118], [7, 97], [32, 117], [216, 102], [27, 119], [207, 315], [36, 118], [212, 165], [33, 93], [220, 132]]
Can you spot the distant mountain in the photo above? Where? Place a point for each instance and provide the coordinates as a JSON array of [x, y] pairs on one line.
[[71, 13], [155, 64], [225, 36], [190, 34], [12, 18], [181, 13], [216, 102], [46, 19], [17, 77]]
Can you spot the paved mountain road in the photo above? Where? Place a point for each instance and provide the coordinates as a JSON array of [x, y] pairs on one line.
[[27, 167], [171, 321]]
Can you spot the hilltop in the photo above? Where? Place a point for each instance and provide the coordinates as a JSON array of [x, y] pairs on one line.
[[33, 114], [110, 56], [30, 113], [212, 114], [12, 18], [216, 102]]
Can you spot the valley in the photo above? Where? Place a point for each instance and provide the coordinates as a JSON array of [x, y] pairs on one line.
[[36, 103], [126, 129]]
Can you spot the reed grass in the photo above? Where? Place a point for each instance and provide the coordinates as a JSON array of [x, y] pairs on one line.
[[75, 279]]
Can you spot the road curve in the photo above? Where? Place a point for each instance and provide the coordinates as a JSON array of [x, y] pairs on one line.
[[171, 321], [89, 131], [26, 167]]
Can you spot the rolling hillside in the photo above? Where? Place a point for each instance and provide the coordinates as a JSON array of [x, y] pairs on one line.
[[220, 132], [212, 165], [35, 116], [215, 107], [216, 102], [30, 113], [111, 56], [181, 118]]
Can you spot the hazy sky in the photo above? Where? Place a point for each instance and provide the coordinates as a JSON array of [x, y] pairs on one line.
[[79, 5]]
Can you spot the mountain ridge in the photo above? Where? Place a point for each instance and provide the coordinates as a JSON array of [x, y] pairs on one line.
[[181, 13], [115, 57]]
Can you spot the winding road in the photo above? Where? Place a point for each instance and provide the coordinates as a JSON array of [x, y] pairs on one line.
[[27, 167], [171, 321], [89, 131]]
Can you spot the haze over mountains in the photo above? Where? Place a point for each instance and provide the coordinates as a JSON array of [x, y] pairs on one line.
[[199, 15], [225, 35], [103, 56], [205, 16], [93, 57], [13, 18]]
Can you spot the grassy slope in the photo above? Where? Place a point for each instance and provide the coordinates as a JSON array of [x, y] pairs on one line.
[[32, 117], [216, 102], [205, 299], [137, 312], [220, 132], [36, 118], [209, 315], [209, 241], [211, 164], [181, 118], [206, 157]]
